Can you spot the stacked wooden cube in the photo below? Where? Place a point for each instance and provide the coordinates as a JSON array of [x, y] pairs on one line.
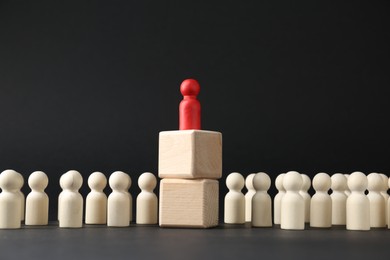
[[190, 164]]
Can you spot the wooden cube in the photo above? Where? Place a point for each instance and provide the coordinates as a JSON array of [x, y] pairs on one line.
[[188, 203], [190, 154]]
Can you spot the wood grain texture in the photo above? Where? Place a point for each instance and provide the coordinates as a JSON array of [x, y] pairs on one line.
[[188, 203], [190, 154]]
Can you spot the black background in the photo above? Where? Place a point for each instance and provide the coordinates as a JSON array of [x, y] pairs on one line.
[[88, 85]]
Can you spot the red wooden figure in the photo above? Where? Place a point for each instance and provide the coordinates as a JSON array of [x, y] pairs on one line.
[[189, 108]]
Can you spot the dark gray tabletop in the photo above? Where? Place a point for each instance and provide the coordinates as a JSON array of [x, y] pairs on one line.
[[223, 242]]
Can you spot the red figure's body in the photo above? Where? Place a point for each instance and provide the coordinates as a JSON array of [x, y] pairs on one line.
[[189, 109]]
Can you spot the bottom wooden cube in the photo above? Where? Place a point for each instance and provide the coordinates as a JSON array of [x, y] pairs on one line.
[[188, 203]]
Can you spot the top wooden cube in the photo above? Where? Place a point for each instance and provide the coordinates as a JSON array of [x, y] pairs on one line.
[[190, 154]]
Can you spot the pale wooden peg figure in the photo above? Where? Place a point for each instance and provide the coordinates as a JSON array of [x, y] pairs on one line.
[[321, 203], [118, 212], [10, 202], [384, 192], [278, 197], [37, 201], [234, 199], [339, 199], [293, 205], [248, 196], [347, 191], [306, 196], [358, 205], [71, 201], [261, 201], [377, 202], [147, 203], [96, 201]]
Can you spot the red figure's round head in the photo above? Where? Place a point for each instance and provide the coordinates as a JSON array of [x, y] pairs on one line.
[[189, 87]]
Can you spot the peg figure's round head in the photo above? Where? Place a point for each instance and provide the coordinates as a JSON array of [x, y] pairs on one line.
[[292, 181], [261, 182], [279, 182], [357, 181], [235, 181], [119, 181], [147, 181], [72, 180], [385, 179], [21, 178], [322, 182], [129, 181], [10, 180], [38, 181], [62, 181], [249, 181], [97, 181], [189, 87], [339, 182], [375, 182], [306, 182]]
